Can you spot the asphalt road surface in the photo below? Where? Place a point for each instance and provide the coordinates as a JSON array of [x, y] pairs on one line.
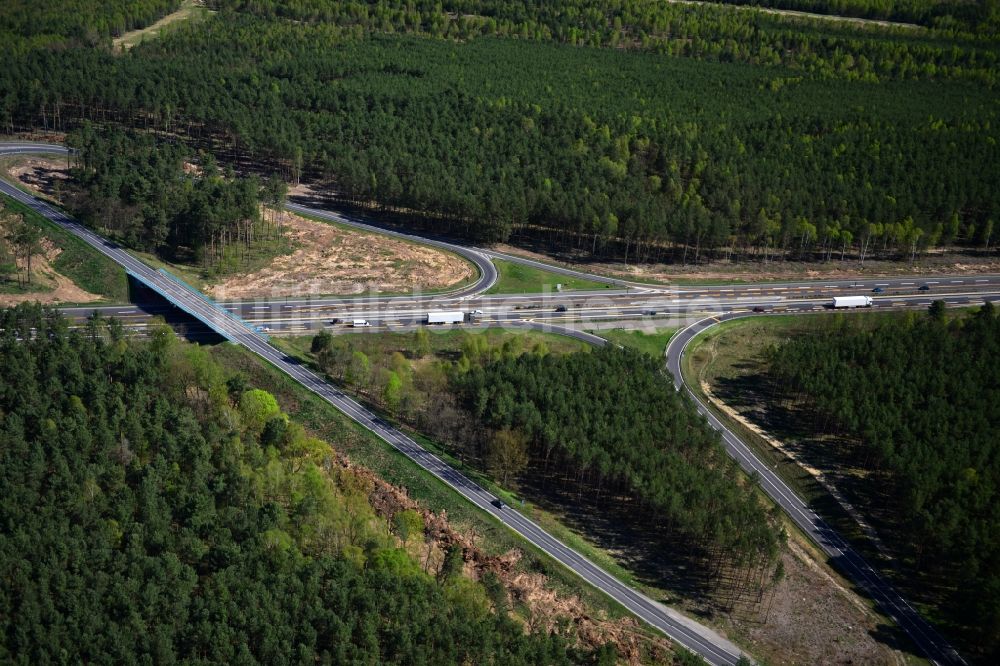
[[840, 553], [643, 302], [701, 640]]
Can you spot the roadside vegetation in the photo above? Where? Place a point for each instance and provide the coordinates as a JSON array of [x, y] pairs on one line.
[[236, 524], [776, 630], [650, 343], [773, 627], [522, 561], [515, 278], [904, 446], [548, 423], [76, 272]]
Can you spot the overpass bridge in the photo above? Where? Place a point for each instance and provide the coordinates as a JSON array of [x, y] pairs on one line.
[[694, 636]]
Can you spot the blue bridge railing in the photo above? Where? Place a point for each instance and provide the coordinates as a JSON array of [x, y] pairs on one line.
[[228, 313]]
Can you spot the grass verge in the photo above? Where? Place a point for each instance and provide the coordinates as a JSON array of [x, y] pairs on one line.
[[654, 343], [517, 278]]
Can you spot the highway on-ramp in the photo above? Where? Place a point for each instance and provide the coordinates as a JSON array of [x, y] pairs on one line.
[[705, 642], [730, 301], [840, 553]]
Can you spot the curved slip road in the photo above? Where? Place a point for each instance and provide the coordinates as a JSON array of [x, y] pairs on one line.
[[686, 632], [788, 295], [840, 553], [487, 271]]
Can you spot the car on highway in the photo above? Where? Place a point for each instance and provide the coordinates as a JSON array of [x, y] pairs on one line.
[[924, 287], [498, 503], [650, 313], [360, 323], [878, 290], [476, 313], [262, 329], [561, 308], [758, 309]]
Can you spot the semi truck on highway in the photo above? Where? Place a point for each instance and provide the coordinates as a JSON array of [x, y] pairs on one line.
[[445, 317], [852, 301]]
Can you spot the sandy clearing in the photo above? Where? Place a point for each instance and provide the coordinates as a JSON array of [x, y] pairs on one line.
[[329, 259], [41, 175], [813, 619]]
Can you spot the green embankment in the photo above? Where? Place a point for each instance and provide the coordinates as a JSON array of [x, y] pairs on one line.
[[87, 268], [653, 343], [521, 279]]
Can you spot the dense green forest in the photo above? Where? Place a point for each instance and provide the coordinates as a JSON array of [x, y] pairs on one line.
[[870, 143], [918, 399], [606, 424], [612, 421], [945, 14], [83, 21], [847, 143], [156, 509], [150, 194]]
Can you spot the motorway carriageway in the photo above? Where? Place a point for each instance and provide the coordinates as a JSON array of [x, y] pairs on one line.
[[700, 639], [299, 319], [712, 647]]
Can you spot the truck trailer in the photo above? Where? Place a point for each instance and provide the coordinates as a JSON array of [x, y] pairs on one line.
[[445, 317], [852, 301]]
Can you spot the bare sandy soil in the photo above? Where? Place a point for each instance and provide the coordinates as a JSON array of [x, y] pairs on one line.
[[49, 286], [814, 619], [41, 175], [546, 608], [329, 259]]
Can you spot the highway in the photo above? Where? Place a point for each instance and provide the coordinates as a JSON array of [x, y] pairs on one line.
[[647, 304], [840, 553], [698, 638]]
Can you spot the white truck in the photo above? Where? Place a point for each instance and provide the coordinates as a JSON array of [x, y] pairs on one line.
[[852, 302], [445, 317], [360, 323]]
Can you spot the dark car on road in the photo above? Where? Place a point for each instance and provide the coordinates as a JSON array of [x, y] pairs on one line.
[[498, 503], [877, 290], [758, 309], [924, 287], [561, 308]]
